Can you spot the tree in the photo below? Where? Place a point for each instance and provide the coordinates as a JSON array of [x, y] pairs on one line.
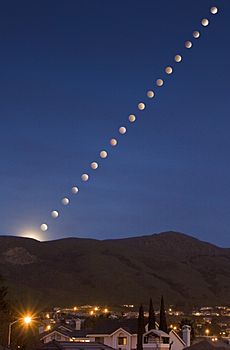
[[140, 328], [152, 317], [163, 322]]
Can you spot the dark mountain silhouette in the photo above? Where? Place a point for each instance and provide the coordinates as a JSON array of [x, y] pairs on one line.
[[75, 270]]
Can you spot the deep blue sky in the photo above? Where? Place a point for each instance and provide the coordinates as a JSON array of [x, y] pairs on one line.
[[70, 74]]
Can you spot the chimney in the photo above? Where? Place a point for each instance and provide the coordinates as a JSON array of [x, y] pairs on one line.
[[77, 324], [186, 333]]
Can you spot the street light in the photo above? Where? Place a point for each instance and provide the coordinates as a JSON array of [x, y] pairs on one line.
[[207, 331], [26, 320]]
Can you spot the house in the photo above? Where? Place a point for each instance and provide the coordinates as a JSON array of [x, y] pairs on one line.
[[119, 334], [122, 334], [156, 339], [64, 333], [176, 342]]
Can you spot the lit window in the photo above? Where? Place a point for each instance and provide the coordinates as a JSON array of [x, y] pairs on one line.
[[122, 340]]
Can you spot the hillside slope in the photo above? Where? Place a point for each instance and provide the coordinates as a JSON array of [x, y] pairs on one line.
[[73, 270]]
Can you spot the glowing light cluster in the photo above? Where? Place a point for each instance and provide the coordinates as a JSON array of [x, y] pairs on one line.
[[188, 44]]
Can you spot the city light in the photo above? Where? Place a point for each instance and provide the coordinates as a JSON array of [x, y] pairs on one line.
[[27, 320], [207, 331]]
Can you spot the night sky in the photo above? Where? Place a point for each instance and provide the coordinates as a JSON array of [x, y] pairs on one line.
[[70, 74]]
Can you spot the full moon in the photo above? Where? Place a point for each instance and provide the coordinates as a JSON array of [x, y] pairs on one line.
[[132, 118], [214, 10], [150, 94], [160, 82], [141, 106], [85, 177], [44, 227], [188, 44], [205, 22], [94, 165], [103, 154], [122, 130], [168, 70], [65, 201], [113, 142], [34, 234], [54, 214], [178, 58], [75, 190]]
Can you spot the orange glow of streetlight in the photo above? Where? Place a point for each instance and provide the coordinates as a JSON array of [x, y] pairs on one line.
[[27, 319], [207, 331]]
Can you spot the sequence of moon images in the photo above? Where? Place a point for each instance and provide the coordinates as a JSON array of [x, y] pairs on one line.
[[103, 154]]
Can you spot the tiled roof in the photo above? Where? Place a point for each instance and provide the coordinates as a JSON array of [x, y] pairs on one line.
[[209, 345], [158, 333], [67, 332], [102, 326], [74, 346], [108, 326]]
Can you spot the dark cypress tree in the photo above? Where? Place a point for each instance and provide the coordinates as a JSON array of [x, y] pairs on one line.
[[152, 317], [141, 328], [163, 322]]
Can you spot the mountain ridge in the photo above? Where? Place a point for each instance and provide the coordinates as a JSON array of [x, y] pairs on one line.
[[119, 271]]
